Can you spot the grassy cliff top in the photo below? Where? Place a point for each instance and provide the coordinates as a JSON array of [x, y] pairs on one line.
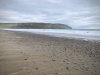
[[35, 25]]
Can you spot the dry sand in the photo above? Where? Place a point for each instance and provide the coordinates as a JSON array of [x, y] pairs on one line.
[[31, 54]]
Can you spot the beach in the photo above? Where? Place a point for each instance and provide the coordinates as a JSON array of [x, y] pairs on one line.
[[24, 53]]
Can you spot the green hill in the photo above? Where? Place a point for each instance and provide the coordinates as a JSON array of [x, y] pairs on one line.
[[34, 25]]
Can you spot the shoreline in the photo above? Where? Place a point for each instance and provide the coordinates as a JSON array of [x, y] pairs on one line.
[[70, 34], [36, 54]]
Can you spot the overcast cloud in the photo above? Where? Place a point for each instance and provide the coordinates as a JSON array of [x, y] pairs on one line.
[[75, 13]]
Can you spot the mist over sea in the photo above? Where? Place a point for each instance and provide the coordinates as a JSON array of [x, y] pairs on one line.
[[85, 34]]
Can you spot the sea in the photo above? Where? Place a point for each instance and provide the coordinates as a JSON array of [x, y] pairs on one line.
[[84, 34]]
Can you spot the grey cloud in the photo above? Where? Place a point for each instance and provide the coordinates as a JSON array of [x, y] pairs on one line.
[[77, 14]]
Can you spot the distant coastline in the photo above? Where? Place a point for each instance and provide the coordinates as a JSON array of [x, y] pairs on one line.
[[35, 25]]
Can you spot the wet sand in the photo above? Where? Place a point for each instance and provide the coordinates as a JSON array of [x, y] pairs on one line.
[[33, 54]]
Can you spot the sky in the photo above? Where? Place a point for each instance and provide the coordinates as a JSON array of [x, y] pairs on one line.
[[78, 14]]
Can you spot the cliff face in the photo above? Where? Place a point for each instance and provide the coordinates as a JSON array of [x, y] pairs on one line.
[[35, 25], [43, 26]]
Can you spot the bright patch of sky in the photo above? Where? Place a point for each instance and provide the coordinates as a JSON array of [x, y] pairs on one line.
[[79, 14]]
